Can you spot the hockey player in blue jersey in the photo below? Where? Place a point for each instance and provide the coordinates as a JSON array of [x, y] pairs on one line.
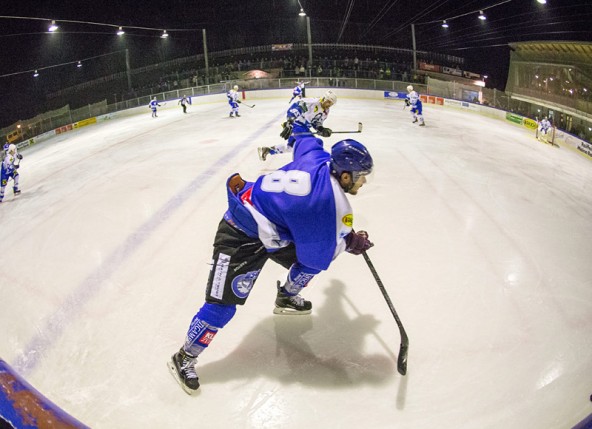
[[416, 106], [9, 170], [298, 216], [233, 101], [297, 92], [153, 105], [301, 117]]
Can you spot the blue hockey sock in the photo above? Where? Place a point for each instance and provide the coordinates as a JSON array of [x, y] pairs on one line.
[[205, 324]]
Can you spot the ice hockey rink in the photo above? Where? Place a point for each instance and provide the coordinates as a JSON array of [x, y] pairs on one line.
[[483, 238]]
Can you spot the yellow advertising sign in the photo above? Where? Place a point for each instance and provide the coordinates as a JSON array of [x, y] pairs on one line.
[[530, 124], [13, 136], [85, 122]]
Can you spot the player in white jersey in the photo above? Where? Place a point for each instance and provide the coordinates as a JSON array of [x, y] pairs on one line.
[[233, 101], [153, 105], [301, 117], [544, 126], [298, 216], [184, 102], [416, 106], [9, 170]]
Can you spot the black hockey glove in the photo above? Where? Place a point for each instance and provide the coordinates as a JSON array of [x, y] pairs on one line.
[[324, 132], [19, 156], [287, 131], [407, 103], [238, 101], [357, 242]]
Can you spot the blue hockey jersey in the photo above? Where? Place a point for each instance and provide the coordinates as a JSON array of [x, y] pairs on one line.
[[300, 203]]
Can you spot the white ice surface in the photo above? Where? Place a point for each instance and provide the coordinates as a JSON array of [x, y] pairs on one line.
[[483, 240]]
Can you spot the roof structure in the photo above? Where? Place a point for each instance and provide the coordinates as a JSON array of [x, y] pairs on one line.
[[577, 54]]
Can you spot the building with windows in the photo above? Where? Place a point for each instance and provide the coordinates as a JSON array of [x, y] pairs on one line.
[[554, 79]]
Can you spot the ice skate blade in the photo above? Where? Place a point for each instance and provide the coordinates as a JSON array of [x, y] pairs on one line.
[[173, 372], [290, 311], [260, 152]]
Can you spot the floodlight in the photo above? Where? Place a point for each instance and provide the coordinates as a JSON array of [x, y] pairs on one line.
[[52, 27], [482, 17], [120, 32], [444, 24], [164, 35]]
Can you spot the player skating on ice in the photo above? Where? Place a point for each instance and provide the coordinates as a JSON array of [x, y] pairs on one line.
[[153, 105], [301, 117], [297, 92], [233, 101], [298, 216], [9, 170], [414, 102], [183, 102]]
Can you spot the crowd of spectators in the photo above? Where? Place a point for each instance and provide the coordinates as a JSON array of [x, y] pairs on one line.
[[286, 66]]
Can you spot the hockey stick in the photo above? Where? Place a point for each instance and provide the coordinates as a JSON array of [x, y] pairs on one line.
[[248, 105], [359, 130], [350, 132], [404, 347]]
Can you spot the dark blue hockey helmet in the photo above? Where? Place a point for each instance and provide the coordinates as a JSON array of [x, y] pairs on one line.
[[351, 156]]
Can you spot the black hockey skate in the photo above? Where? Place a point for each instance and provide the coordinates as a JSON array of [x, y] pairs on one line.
[[16, 190], [182, 367], [414, 121], [290, 304], [237, 115]]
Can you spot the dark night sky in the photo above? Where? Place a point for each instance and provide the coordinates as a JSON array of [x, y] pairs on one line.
[[25, 44]]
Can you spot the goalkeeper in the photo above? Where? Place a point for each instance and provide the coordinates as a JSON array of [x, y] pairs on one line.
[[301, 117]]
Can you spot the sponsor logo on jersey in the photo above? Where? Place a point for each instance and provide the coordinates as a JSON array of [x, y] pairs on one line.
[[246, 197], [348, 220]]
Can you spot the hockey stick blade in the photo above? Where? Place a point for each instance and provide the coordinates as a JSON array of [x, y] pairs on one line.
[[404, 346], [248, 105]]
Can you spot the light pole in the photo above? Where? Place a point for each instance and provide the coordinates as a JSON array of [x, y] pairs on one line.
[[414, 47], [205, 48], [309, 40], [302, 13]]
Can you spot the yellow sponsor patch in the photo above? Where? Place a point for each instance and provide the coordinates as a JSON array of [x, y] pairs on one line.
[[348, 220]]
